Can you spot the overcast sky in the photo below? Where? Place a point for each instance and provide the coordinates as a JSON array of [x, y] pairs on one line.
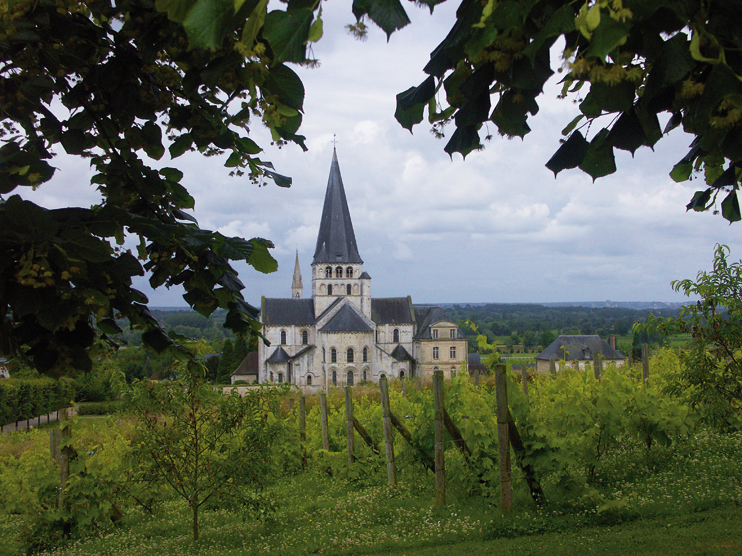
[[497, 227]]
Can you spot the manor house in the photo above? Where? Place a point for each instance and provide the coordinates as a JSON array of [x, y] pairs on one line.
[[341, 335]]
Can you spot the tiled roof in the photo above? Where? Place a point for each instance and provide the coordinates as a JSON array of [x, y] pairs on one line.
[[287, 312], [574, 348], [346, 320], [392, 310]]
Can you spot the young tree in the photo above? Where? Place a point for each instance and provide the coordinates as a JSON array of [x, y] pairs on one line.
[[225, 363], [711, 362], [205, 445]]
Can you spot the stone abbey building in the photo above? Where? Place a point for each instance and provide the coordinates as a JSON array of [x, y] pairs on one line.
[[341, 335]]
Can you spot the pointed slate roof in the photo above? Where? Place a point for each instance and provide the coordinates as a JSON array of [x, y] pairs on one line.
[[573, 348], [401, 354], [279, 356], [346, 320], [336, 241]]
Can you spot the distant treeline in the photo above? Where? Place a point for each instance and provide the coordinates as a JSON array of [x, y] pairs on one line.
[[533, 325]]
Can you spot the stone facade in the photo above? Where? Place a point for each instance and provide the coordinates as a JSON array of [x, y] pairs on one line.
[[341, 335]]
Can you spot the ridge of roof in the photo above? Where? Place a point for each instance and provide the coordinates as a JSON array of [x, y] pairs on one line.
[[346, 320]]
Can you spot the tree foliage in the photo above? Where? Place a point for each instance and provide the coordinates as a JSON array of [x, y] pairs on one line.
[[121, 85], [640, 58], [711, 370]]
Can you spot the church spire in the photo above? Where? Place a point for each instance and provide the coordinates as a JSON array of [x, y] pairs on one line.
[[336, 242], [297, 288]]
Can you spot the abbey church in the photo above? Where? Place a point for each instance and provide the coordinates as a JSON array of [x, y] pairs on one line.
[[341, 335]]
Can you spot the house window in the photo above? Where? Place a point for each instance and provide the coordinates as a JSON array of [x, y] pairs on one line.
[[452, 353], [309, 380], [435, 333], [349, 272], [324, 353], [328, 272], [304, 337], [334, 378], [329, 289], [347, 289], [333, 355], [339, 272], [452, 333], [280, 378], [283, 337], [435, 353], [396, 335], [351, 355], [401, 374], [365, 356], [349, 382]]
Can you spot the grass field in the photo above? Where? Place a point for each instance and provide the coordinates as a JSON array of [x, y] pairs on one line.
[[682, 500]]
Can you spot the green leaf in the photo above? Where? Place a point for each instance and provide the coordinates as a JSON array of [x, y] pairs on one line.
[[287, 33], [599, 160], [511, 113], [570, 127], [109, 326], [561, 22], [700, 200], [177, 10], [254, 24], [570, 154], [681, 171], [157, 340], [464, 140], [260, 258], [608, 35], [283, 82], [207, 23], [627, 133], [387, 14], [411, 116], [180, 145], [278, 179], [316, 30], [152, 135], [73, 141], [730, 207], [608, 98], [87, 247], [171, 174]]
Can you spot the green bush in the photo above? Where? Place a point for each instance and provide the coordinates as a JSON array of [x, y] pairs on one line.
[[27, 398], [99, 408]]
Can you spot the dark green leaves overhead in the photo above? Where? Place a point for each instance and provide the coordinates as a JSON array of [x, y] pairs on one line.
[[287, 33], [570, 154], [387, 14]]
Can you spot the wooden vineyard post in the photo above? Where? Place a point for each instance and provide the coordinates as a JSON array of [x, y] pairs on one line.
[[64, 455], [596, 365], [552, 367], [349, 424], [404, 393], [391, 469], [323, 412], [645, 363], [440, 437], [524, 374], [303, 430], [503, 439]]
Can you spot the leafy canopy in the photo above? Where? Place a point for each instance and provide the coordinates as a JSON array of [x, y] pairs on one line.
[[640, 58]]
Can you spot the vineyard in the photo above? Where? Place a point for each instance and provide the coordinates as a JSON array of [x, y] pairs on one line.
[[605, 452]]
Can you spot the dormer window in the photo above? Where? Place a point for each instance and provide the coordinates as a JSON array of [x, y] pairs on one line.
[[452, 333], [435, 333]]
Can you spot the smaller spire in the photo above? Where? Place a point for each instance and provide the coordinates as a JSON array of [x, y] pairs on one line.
[[297, 288]]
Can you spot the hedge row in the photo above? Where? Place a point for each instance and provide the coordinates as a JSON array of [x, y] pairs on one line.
[[27, 398]]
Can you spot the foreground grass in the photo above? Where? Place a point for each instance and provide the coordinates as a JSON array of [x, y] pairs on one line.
[[684, 500]]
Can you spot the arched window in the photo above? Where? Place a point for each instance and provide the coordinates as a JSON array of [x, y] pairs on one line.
[[333, 355], [304, 337], [328, 272], [349, 272], [329, 289], [334, 378], [351, 355], [401, 374], [324, 352], [365, 375], [396, 335], [280, 378], [283, 337], [347, 289], [365, 356], [339, 272], [309, 380], [349, 382], [382, 375]]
